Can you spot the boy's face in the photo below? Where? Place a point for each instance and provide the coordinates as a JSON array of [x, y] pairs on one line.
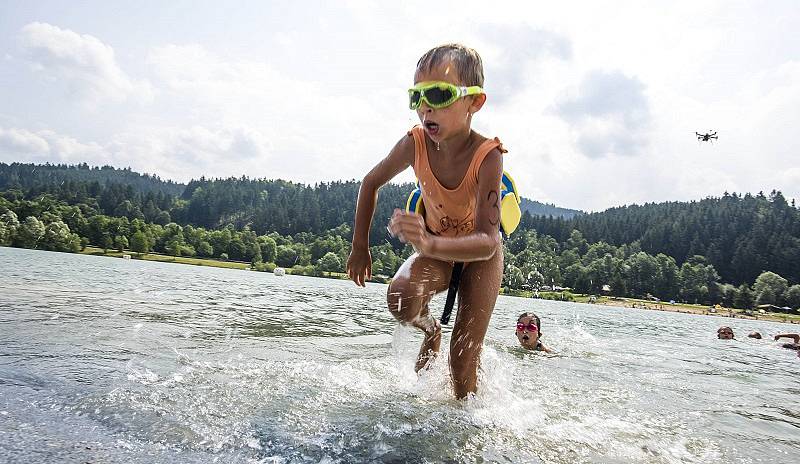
[[527, 332], [440, 124]]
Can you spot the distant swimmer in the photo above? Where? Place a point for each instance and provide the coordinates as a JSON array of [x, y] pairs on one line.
[[755, 335], [529, 332], [725, 333], [792, 346]]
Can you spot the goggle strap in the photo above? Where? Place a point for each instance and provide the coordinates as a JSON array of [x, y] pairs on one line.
[[473, 90]]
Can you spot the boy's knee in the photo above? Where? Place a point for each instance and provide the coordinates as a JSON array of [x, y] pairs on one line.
[[403, 307]]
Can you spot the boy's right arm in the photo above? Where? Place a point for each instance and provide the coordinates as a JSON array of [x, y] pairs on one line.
[[359, 265]]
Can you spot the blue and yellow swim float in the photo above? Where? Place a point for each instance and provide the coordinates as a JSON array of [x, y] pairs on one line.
[[510, 212]]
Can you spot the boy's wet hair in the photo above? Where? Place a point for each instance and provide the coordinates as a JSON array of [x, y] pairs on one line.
[[534, 317], [468, 63]]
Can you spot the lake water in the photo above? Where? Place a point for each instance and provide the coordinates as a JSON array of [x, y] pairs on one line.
[[111, 360]]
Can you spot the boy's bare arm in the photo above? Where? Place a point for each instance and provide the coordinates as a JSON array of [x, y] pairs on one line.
[[398, 159], [359, 264], [482, 244]]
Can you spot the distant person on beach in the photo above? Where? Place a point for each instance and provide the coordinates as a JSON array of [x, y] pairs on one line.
[[755, 335], [459, 173], [529, 332], [725, 333]]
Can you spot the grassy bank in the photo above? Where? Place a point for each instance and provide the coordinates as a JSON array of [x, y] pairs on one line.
[[299, 270], [168, 259]]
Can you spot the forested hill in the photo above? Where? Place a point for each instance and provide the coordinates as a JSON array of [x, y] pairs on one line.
[[282, 206], [535, 208], [267, 205], [741, 235], [27, 177]]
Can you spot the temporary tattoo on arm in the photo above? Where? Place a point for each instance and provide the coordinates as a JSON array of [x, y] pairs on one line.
[[494, 217]]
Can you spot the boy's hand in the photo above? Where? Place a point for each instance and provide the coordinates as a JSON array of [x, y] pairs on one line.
[[409, 228], [359, 265]]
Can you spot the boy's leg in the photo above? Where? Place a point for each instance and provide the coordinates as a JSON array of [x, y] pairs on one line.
[[477, 294], [412, 288]]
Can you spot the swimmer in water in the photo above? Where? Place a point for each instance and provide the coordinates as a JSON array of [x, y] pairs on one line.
[[725, 333], [459, 173], [529, 332], [791, 346]]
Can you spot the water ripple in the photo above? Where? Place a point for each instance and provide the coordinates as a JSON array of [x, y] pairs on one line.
[[113, 360]]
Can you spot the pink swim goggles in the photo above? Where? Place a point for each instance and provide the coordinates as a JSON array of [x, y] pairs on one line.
[[531, 327]]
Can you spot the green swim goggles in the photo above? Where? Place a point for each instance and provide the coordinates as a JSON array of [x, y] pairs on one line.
[[438, 94]]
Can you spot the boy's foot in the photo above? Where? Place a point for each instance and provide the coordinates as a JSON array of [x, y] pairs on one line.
[[430, 347]]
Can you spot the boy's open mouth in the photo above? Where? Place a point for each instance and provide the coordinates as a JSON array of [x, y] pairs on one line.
[[525, 338], [431, 127]]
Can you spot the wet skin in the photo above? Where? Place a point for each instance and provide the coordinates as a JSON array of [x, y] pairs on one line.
[[451, 144]]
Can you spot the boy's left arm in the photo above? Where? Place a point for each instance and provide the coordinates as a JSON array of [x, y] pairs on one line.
[[483, 243]]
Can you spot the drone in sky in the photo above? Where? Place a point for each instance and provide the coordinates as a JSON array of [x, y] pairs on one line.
[[707, 137]]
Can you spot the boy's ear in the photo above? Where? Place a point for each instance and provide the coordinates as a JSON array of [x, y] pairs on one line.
[[477, 102]]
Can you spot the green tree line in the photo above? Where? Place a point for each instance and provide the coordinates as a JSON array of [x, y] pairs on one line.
[[536, 261], [740, 235], [635, 250]]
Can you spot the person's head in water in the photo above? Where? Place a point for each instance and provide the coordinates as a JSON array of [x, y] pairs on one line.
[[448, 90], [725, 333], [529, 329], [755, 335]]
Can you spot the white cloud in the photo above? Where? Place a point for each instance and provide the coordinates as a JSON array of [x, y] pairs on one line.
[[175, 153], [308, 123], [185, 153], [47, 146], [17, 142], [514, 55], [86, 65], [609, 113]]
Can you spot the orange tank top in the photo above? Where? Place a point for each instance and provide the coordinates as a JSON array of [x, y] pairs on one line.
[[449, 213]]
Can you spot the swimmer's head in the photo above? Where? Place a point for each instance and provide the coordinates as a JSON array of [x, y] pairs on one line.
[[448, 90], [725, 333], [528, 330], [754, 335]]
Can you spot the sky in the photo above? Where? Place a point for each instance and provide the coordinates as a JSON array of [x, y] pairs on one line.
[[597, 102]]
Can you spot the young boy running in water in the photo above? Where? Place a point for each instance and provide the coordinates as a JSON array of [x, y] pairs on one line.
[[459, 173]]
